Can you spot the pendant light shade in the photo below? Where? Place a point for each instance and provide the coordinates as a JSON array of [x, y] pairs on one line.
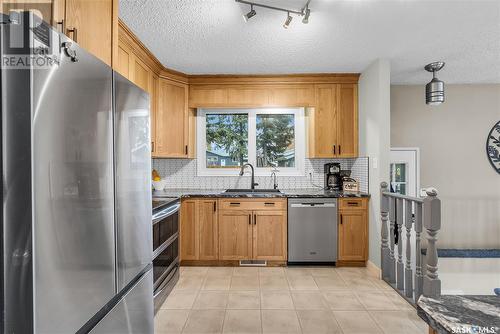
[[434, 90]]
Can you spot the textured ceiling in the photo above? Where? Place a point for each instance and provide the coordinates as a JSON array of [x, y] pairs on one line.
[[211, 37]]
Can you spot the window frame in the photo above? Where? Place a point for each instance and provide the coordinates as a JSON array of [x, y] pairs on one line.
[[299, 132]]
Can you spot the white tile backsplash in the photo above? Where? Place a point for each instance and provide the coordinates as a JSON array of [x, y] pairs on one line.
[[182, 174]]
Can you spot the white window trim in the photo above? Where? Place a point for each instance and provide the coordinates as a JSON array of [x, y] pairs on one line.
[[299, 118]]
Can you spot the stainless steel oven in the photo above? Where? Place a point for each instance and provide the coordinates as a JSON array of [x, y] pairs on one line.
[[165, 247]]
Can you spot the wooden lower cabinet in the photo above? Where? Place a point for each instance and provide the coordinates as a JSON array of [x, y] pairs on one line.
[[270, 235], [199, 230], [235, 235], [353, 231]]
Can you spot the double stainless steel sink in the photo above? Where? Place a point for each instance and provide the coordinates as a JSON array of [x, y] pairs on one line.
[[253, 191]]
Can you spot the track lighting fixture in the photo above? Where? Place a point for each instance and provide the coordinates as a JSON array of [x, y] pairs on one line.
[[434, 90], [305, 12], [287, 21], [250, 14]]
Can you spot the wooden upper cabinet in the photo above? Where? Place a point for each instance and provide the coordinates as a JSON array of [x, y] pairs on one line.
[[92, 24], [333, 122], [207, 96], [124, 56], [270, 235], [172, 120], [209, 234], [347, 120], [295, 96], [235, 235]]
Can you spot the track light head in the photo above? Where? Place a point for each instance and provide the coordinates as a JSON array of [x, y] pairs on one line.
[[250, 14], [307, 13], [287, 21]]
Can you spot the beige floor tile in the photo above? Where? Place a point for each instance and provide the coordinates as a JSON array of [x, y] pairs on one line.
[[331, 283], [170, 321], [302, 283], [381, 284], [280, 321], [356, 322], [204, 321], [180, 300], [323, 272], [244, 300], [246, 271], [220, 271], [217, 283], [297, 271], [317, 322], [360, 283], [242, 321], [193, 271], [273, 283], [189, 283], [306, 300], [276, 300], [376, 300], [395, 322], [207, 300], [245, 282], [399, 301], [271, 271], [343, 300], [352, 273]]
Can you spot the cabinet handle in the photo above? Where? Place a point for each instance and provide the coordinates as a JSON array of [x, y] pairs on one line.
[[353, 203], [152, 146], [234, 204], [186, 149], [74, 33], [249, 219], [255, 219], [215, 206], [334, 150], [269, 204], [340, 150], [60, 23], [341, 220]]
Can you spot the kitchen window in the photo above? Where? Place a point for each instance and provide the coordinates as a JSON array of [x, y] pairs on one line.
[[269, 139]]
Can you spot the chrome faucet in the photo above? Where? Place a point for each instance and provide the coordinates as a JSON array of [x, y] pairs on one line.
[[275, 183], [253, 184]]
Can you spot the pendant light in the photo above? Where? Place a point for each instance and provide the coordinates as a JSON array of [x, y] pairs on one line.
[[434, 90]]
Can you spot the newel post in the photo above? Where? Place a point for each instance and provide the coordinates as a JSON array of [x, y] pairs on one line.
[[432, 224], [384, 215]]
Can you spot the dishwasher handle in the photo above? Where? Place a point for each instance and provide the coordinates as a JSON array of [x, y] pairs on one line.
[[314, 205]]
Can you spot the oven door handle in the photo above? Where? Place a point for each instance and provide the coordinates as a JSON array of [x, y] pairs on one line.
[[167, 212], [167, 279]]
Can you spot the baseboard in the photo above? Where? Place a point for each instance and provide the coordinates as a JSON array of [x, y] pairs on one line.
[[373, 269]]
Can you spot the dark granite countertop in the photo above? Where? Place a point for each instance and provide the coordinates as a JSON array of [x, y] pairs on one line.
[[286, 193], [461, 314]]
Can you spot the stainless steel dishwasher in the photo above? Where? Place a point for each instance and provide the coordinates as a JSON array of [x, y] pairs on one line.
[[312, 230]]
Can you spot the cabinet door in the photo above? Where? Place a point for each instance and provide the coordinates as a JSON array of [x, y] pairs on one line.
[[172, 120], [189, 231], [209, 237], [300, 96], [141, 74], [347, 121], [269, 235], [90, 24], [123, 65], [247, 97], [153, 112], [324, 124], [235, 235], [353, 236]]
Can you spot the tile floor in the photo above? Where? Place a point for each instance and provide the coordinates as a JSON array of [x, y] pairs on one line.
[[284, 300]]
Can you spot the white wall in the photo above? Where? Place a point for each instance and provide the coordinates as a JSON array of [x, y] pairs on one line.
[[374, 140], [452, 142]]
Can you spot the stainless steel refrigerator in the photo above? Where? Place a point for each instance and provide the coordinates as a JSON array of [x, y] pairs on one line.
[[76, 173]]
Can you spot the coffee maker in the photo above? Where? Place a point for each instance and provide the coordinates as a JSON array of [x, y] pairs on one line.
[[333, 177]]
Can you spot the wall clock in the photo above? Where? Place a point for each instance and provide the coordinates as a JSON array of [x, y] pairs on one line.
[[493, 147]]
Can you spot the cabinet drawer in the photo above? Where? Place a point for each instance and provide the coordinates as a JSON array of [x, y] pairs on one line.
[[353, 203], [252, 204]]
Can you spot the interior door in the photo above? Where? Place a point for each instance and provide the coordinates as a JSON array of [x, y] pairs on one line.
[[74, 237], [235, 235], [404, 172], [132, 179]]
